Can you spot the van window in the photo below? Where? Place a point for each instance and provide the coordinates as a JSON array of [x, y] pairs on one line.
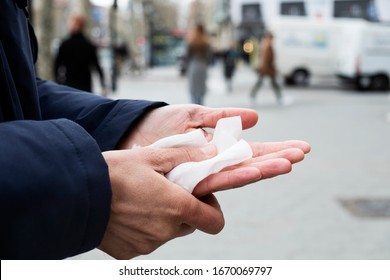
[[364, 9], [293, 9]]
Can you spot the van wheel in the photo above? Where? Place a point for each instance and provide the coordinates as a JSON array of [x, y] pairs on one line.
[[288, 81], [363, 83], [300, 78], [379, 82]]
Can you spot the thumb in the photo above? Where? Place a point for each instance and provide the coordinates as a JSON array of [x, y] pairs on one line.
[[169, 158], [205, 214]]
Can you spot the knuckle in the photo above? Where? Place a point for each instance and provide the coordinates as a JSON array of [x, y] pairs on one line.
[[165, 235], [188, 154], [156, 156], [184, 208]]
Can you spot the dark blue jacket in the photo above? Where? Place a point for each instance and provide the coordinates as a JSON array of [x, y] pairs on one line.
[[55, 192]]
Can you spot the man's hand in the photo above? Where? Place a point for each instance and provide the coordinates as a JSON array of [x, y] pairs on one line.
[[175, 119], [147, 210], [269, 159]]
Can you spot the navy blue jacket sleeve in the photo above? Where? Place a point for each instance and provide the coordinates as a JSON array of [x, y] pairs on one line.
[[105, 120], [54, 190]]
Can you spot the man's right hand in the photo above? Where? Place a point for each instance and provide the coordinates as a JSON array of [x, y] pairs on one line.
[[147, 209]]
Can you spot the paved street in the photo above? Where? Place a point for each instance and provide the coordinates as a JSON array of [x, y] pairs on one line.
[[298, 215]]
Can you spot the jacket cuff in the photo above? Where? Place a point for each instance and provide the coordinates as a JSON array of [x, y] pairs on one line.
[[121, 119], [97, 194]]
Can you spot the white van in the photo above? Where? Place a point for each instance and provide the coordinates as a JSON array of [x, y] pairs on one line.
[[305, 48], [364, 56]]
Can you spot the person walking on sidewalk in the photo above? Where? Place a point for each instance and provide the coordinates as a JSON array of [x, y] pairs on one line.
[[230, 57], [198, 55], [76, 58], [266, 69]]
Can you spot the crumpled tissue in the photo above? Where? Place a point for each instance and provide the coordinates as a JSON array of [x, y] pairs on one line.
[[231, 150]]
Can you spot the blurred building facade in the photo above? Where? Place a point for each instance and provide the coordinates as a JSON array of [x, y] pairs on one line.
[[216, 16], [152, 28], [145, 26], [162, 34]]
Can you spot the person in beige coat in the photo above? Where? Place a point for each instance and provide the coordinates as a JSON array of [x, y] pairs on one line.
[[198, 55], [266, 68]]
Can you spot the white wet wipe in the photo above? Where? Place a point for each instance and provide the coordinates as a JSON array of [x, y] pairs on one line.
[[231, 150]]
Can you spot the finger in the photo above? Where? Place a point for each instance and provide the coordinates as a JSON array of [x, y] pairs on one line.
[[260, 149], [234, 178], [293, 155], [205, 214], [164, 160], [208, 117]]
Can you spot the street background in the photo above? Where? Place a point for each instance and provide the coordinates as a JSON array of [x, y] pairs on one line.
[[333, 205]]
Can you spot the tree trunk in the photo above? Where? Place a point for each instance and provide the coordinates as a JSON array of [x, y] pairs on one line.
[[45, 62]]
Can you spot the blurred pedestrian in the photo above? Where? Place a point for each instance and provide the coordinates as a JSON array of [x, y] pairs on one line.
[[229, 66], [77, 58], [266, 68], [120, 55], [198, 55]]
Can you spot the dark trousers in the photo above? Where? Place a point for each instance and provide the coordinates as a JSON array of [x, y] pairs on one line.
[[275, 87]]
